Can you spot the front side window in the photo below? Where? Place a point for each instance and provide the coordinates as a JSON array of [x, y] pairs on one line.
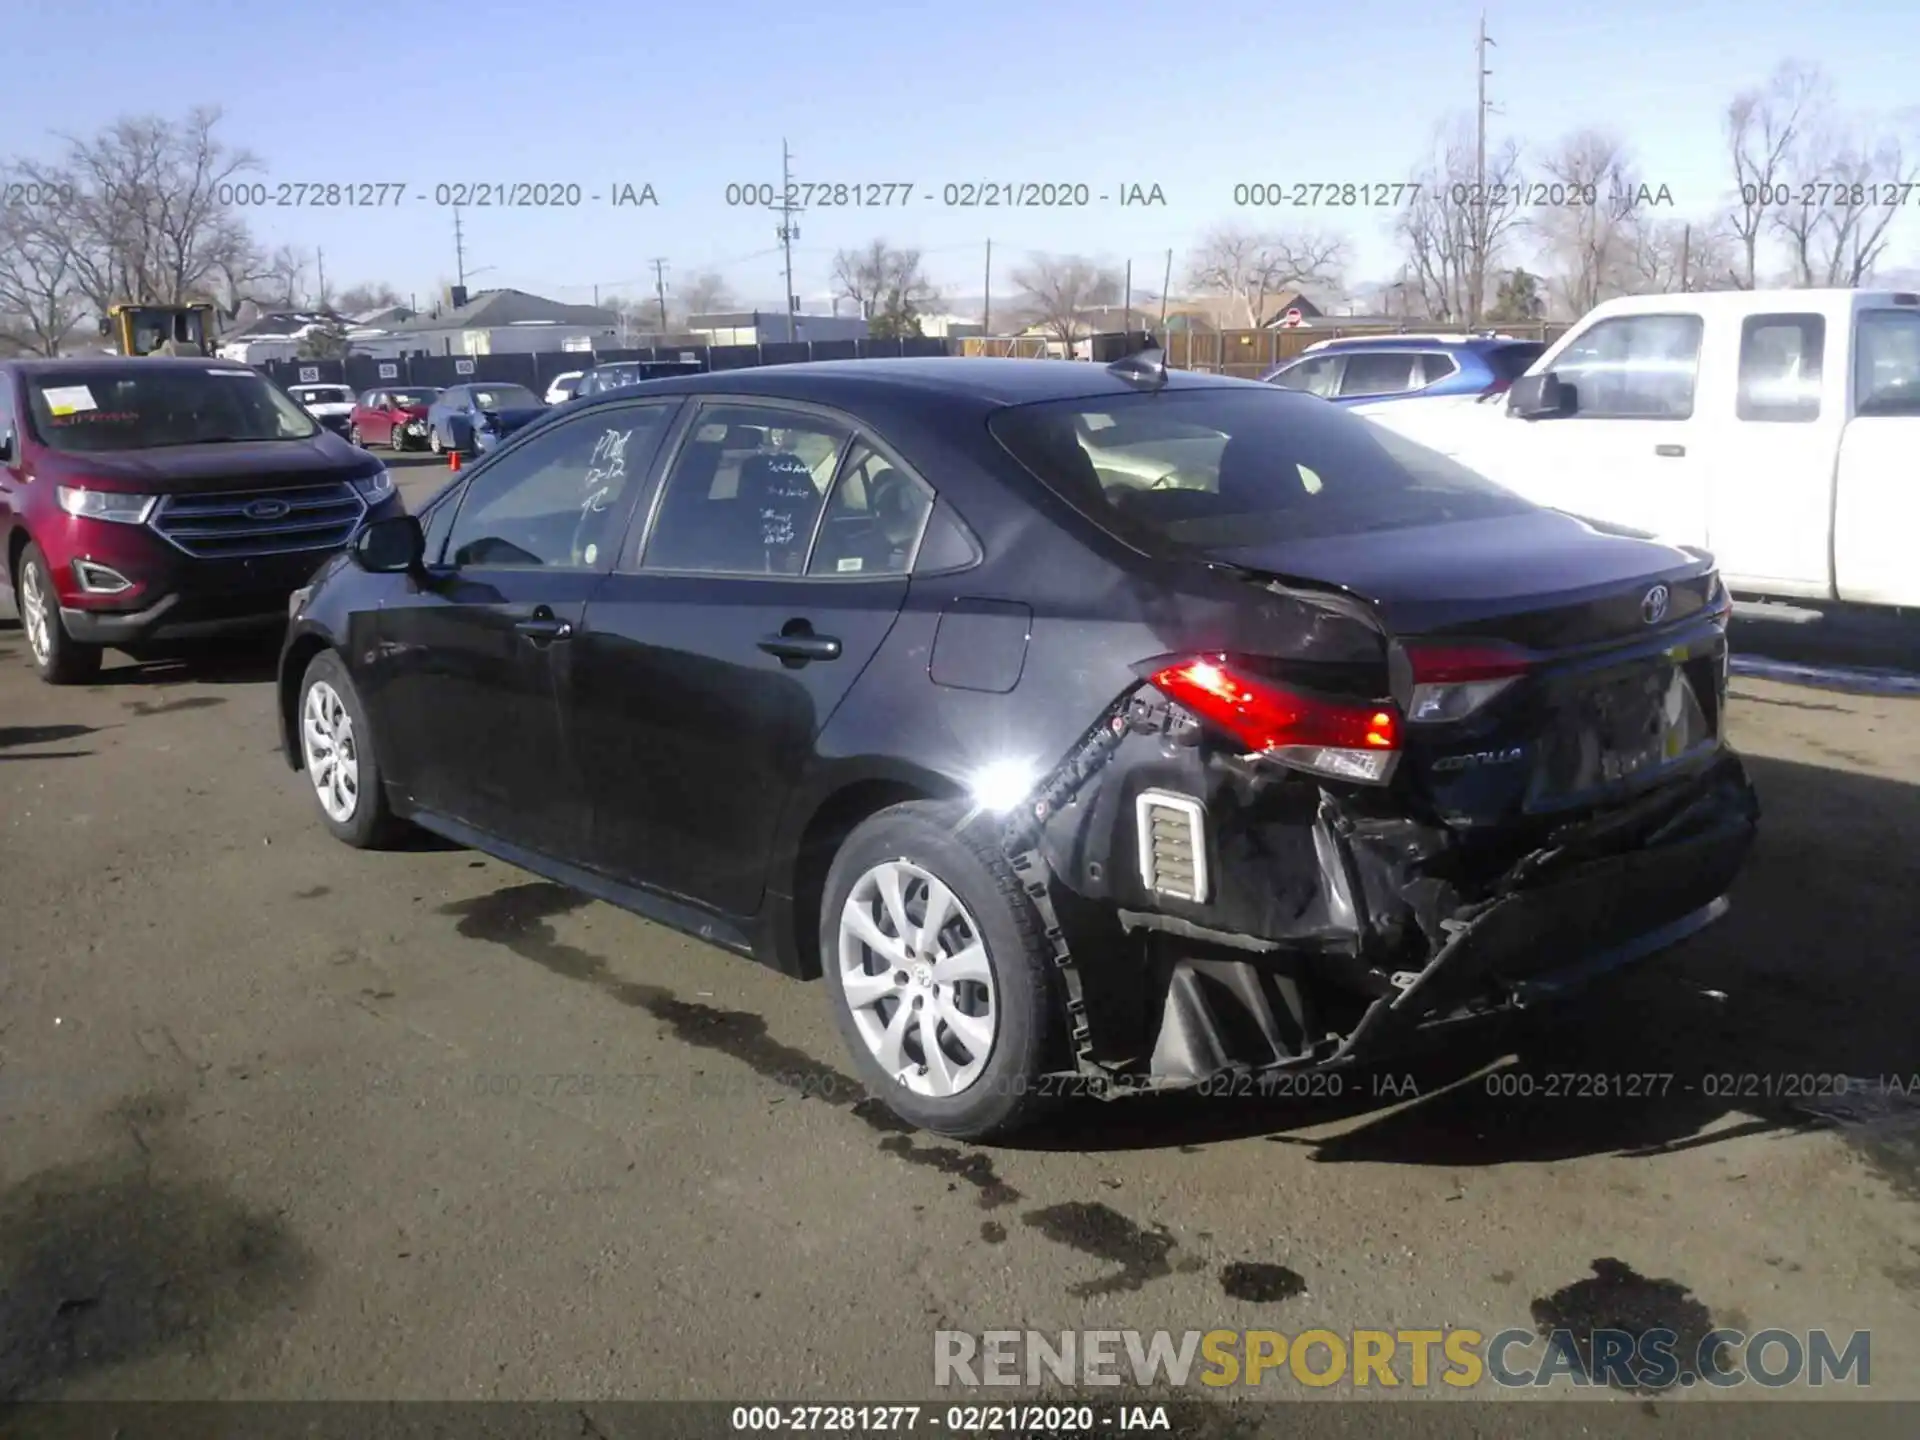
[[92, 411], [1634, 367], [1215, 469], [1886, 369], [556, 501], [504, 397], [746, 492]]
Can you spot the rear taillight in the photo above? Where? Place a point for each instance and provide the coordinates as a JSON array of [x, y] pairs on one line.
[[1451, 682], [1335, 738]]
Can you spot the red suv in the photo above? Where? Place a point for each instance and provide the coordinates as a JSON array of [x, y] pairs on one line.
[[160, 499], [394, 415]]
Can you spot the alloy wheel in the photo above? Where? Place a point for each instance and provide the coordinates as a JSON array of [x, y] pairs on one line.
[[917, 980], [33, 613], [333, 762]]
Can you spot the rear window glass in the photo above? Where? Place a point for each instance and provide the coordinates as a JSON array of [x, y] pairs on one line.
[[166, 405], [1510, 362], [1217, 468], [1886, 371]]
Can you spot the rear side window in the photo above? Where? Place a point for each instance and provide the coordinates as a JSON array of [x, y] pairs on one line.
[[1634, 367], [1780, 359], [873, 518], [1886, 367], [1435, 366], [1219, 468], [1380, 373]]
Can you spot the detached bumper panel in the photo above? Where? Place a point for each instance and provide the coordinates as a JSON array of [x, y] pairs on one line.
[[1570, 918]]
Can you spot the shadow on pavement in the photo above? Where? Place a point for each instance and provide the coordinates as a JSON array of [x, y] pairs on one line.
[[124, 1256]]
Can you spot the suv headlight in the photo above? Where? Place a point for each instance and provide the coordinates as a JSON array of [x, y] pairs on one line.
[[113, 505], [375, 487]]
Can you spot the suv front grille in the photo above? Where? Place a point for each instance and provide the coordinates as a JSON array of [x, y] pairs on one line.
[[240, 525]]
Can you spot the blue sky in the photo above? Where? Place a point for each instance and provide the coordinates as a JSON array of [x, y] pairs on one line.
[[1192, 97]]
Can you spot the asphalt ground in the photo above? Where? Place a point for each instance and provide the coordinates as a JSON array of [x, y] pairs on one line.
[[282, 1120]]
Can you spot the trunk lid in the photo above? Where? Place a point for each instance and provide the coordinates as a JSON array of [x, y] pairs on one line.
[[1601, 655]]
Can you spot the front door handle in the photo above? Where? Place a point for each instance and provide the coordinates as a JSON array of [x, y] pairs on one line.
[[796, 646], [1670, 450], [543, 627]]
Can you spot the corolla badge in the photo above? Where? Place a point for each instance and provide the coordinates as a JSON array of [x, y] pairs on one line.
[[267, 509], [1653, 605], [1473, 760]]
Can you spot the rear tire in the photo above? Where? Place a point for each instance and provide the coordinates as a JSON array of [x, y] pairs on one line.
[[978, 991], [57, 657], [337, 757]]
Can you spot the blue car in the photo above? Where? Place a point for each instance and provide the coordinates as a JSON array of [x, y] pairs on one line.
[[472, 419], [1392, 367]]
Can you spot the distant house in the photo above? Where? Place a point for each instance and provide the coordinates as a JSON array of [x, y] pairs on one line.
[[951, 326], [1279, 305], [500, 322], [763, 327]]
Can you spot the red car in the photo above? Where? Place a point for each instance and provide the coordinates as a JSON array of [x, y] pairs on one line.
[[158, 499], [394, 416]]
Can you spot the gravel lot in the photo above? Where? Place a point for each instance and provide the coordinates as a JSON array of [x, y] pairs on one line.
[[283, 1120]]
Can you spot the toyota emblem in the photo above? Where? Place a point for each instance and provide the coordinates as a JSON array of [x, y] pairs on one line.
[[1653, 606], [267, 509]]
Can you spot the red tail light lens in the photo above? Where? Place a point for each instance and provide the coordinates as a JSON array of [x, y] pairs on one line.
[[1338, 739], [1451, 682]]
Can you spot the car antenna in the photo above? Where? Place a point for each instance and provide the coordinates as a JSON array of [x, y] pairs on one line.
[[1145, 369]]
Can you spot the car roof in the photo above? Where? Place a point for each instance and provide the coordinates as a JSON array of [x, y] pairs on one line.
[[990, 381], [118, 364], [1419, 342]]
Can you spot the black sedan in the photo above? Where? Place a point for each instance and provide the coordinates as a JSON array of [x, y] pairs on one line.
[[1080, 725]]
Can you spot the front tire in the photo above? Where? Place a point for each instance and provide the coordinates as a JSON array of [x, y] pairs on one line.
[[57, 657], [433, 441], [353, 437], [939, 973], [336, 752]]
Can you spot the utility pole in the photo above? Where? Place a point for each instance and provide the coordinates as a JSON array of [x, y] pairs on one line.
[[660, 289], [320, 265], [596, 297], [1166, 284], [459, 251], [1477, 278], [986, 294], [1686, 257], [788, 231], [1126, 321]]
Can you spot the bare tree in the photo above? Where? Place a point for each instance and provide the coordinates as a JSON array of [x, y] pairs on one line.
[[1059, 290], [704, 293], [40, 304], [1452, 237], [1850, 187], [152, 216], [889, 286], [1766, 131], [1587, 220], [1669, 255], [1252, 268]]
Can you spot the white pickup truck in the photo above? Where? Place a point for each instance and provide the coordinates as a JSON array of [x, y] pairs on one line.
[[1778, 429]]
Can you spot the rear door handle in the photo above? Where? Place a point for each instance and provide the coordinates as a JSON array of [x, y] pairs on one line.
[[802, 647], [1670, 450], [544, 629]]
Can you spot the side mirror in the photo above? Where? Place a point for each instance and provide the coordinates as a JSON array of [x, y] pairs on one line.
[[394, 546], [1542, 397]]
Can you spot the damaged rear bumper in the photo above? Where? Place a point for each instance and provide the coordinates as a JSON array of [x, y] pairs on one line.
[[1419, 954]]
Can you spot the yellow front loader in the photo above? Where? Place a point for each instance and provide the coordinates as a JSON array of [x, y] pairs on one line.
[[160, 329]]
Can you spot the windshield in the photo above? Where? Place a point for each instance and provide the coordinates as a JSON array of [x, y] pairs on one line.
[[160, 407], [1218, 468], [321, 394], [413, 397], [505, 397], [608, 376]]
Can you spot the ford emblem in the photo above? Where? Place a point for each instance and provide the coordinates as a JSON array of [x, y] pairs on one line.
[[1653, 606], [267, 509]]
